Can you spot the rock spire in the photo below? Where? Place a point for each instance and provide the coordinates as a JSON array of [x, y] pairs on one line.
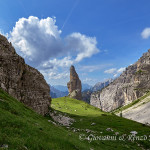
[[74, 85]]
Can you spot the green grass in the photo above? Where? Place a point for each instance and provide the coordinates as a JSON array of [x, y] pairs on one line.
[[131, 104], [76, 107], [21, 128], [86, 114]]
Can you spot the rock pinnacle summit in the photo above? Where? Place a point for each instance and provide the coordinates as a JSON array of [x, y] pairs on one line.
[[74, 85]]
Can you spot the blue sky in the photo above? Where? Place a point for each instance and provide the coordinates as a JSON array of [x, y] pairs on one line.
[[99, 37]]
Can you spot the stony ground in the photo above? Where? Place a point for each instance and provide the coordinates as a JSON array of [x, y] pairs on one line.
[[139, 112]]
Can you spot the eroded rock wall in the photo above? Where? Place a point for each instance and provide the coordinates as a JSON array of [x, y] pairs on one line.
[[22, 81], [133, 83]]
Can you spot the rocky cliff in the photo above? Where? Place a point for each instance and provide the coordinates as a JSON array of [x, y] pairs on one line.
[[86, 94], [133, 83], [22, 81], [74, 85]]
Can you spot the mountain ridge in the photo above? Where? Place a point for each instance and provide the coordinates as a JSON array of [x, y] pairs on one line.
[[86, 94], [133, 83]]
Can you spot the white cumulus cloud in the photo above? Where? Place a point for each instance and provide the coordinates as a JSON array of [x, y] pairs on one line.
[[39, 41], [84, 45], [36, 39], [145, 33]]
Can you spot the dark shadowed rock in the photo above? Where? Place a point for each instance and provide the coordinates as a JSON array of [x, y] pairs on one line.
[[22, 81], [74, 85], [86, 95], [133, 83]]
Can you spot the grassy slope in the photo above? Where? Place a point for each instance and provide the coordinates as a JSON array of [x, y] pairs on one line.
[[85, 114], [21, 128]]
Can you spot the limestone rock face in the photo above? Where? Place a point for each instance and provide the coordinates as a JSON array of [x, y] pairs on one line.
[[22, 81], [133, 83], [74, 85]]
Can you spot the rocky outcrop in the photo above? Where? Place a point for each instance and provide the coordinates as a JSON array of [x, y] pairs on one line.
[[22, 81], [86, 95], [74, 85], [61, 119], [133, 83]]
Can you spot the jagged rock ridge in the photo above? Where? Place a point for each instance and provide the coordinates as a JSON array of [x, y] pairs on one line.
[[22, 81], [74, 85], [100, 85], [133, 83]]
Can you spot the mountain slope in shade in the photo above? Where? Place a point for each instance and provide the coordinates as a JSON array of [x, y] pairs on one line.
[[55, 93], [86, 86], [61, 88]]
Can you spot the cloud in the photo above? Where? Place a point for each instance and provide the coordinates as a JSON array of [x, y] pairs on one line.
[[64, 75], [39, 41], [110, 71], [88, 80], [145, 33], [115, 71], [92, 68], [55, 63], [85, 46], [36, 39], [121, 70]]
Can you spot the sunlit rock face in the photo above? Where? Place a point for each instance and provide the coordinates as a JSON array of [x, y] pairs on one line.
[[133, 83], [22, 81], [74, 85]]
